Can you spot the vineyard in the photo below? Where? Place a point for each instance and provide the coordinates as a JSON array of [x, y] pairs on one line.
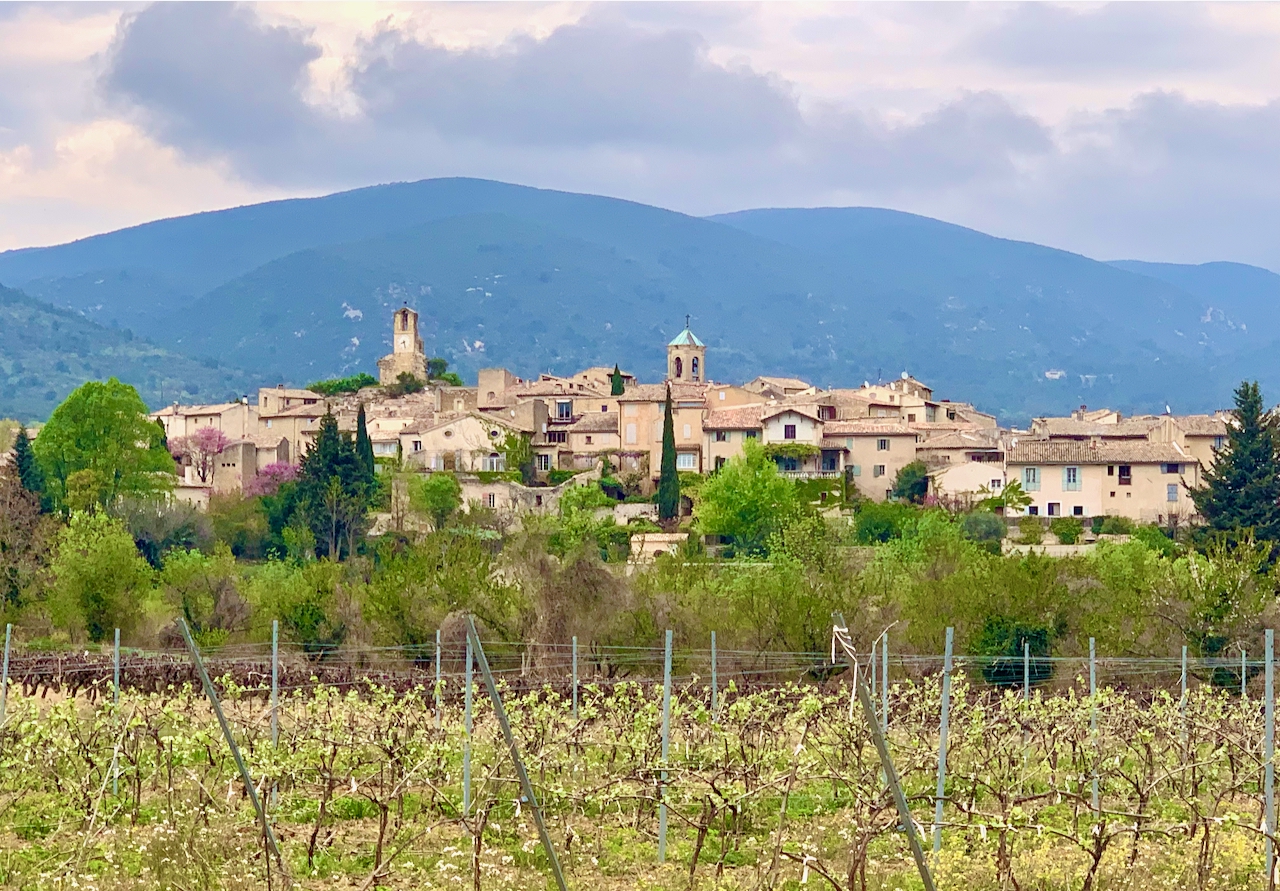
[[777, 785]]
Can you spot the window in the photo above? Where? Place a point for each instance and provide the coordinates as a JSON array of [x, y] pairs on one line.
[[750, 434], [1033, 511], [604, 408], [417, 445], [686, 461], [1172, 468], [557, 436], [788, 464], [789, 431], [830, 461], [1111, 470], [877, 470], [911, 418], [722, 436], [630, 410], [1219, 441], [1126, 475], [855, 470], [564, 410], [688, 431], [827, 412], [537, 501], [722, 395], [996, 485], [1031, 479], [882, 445], [679, 367], [491, 499], [693, 367], [1071, 479], [544, 463], [494, 463], [951, 414], [588, 439], [720, 461], [268, 423], [1077, 511], [1055, 509], [631, 433], [1171, 493]]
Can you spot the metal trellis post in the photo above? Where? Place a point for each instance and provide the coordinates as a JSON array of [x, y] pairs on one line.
[[439, 704], [267, 834], [115, 701], [1269, 755], [942, 742], [575, 677], [715, 685], [275, 697], [1026, 671], [884, 680], [1182, 699], [501, 714], [466, 744], [1093, 720], [841, 632], [4, 674], [666, 748]]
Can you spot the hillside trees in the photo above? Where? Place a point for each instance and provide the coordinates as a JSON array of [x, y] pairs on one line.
[[746, 501], [1242, 488], [99, 444]]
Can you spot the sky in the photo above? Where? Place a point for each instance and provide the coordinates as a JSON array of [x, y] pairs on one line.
[[1136, 130]]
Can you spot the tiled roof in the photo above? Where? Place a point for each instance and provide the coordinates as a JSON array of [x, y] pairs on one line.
[[809, 410], [744, 417], [1202, 425], [596, 422], [962, 439], [680, 392], [867, 427], [555, 388], [1129, 428], [1040, 451]]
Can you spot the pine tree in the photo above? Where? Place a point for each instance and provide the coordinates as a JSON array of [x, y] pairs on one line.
[[1242, 488], [668, 480], [30, 474], [364, 445], [617, 386]]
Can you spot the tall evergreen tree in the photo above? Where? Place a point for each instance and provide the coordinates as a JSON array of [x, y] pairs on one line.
[[30, 474], [334, 488], [1242, 488], [668, 480], [364, 445], [617, 386]]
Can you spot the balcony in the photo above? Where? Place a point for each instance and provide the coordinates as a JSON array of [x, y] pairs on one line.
[[810, 474]]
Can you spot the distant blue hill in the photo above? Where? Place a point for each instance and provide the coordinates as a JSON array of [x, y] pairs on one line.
[[540, 280]]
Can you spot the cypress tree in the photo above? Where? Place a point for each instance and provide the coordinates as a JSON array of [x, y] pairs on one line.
[[364, 445], [668, 481], [616, 385], [334, 486], [1242, 488], [30, 474]]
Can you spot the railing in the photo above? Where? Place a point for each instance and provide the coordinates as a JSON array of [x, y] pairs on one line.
[[810, 474]]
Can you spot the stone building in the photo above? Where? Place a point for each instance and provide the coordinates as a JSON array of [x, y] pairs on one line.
[[407, 353]]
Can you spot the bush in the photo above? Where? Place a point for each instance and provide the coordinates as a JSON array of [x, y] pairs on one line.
[[337, 385], [1067, 529], [984, 529], [1115, 526], [1155, 538], [99, 580], [556, 477], [1002, 641], [879, 522], [405, 384], [1030, 531]]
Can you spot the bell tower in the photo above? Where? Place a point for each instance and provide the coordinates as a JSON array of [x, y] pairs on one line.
[[406, 349], [687, 357]]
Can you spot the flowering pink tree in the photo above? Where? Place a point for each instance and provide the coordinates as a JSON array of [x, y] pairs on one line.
[[200, 450], [270, 478]]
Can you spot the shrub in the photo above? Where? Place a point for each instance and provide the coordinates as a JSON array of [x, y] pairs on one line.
[[1155, 538], [880, 521], [405, 384], [1116, 526], [983, 528], [1030, 531], [1002, 641], [1067, 529], [337, 385], [99, 580]]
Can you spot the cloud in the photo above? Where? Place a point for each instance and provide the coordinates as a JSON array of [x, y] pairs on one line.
[[1091, 43], [211, 77]]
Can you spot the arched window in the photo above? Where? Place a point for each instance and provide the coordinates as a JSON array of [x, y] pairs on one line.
[[679, 367], [693, 367]]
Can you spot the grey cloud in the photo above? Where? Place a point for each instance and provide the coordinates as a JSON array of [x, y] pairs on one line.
[[211, 76], [595, 82], [1058, 40]]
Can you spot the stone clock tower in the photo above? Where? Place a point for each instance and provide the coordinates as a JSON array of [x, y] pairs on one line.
[[406, 349]]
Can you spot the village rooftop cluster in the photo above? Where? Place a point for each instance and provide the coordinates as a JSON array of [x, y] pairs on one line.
[[1091, 464]]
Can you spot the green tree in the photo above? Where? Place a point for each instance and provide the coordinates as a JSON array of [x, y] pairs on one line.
[[617, 386], [668, 481], [25, 535], [1011, 498], [352, 384], [912, 482], [405, 384], [99, 580], [438, 370], [103, 428], [364, 445], [204, 590], [517, 448], [437, 495], [334, 489], [1242, 488], [30, 474], [746, 501]]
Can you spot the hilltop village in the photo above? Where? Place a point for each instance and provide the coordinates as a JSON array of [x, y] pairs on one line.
[[1095, 463]]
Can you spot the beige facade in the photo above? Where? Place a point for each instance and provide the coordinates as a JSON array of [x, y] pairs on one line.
[[1144, 481], [871, 451], [687, 358], [234, 419], [273, 400], [642, 412], [471, 443]]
